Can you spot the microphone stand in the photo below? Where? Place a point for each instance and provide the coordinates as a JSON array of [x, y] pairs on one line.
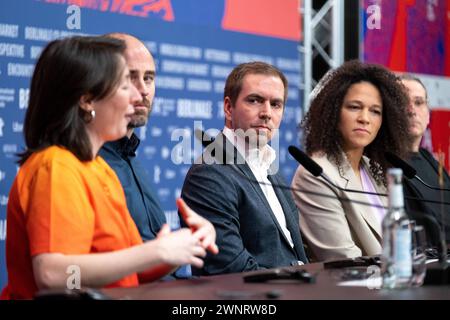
[[411, 173], [439, 273], [317, 171]]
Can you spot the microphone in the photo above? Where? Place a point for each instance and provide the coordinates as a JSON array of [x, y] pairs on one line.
[[316, 170], [397, 162], [408, 170], [306, 161]]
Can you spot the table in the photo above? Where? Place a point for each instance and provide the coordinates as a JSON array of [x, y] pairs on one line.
[[232, 286]]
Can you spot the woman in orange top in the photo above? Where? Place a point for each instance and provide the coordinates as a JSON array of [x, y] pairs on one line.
[[68, 224]]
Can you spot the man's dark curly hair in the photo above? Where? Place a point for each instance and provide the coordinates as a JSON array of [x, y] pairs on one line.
[[320, 124]]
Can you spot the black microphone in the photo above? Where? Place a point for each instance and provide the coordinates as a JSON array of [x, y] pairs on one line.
[[316, 170], [408, 170], [397, 162], [306, 161]]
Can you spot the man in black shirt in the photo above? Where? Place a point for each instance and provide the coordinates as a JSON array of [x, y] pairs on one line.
[[425, 164], [142, 202]]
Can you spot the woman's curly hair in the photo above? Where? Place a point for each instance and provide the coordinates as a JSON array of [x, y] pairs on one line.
[[320, 124]]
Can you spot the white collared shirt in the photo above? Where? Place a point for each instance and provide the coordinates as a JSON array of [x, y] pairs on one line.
[[259, 161]]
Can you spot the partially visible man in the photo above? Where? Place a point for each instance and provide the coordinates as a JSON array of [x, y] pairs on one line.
[[257, 223], [142, 203], [423, 161]]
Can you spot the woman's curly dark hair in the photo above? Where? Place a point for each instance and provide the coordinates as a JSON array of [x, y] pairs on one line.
[[320, 124]]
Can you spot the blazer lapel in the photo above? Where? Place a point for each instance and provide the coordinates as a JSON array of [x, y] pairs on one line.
[[291, 219], [245, 169], [367, 212]]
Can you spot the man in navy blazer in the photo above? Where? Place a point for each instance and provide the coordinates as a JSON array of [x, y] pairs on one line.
[[235, 183]]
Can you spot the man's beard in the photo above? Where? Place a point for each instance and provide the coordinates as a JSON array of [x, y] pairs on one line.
[[140, 118]]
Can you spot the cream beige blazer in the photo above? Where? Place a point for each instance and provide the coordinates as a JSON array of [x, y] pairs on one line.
[[333, 228]]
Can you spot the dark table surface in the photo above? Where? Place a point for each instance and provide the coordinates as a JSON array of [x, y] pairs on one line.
[[232, 286]]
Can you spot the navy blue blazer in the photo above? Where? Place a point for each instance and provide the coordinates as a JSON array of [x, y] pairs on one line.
[[248, 234]]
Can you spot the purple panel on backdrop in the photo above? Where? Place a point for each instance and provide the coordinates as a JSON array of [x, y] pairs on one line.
[[426, 37], [377, 43], [424, 32]]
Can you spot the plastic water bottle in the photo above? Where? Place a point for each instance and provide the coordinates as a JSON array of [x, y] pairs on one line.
[[396, 258]]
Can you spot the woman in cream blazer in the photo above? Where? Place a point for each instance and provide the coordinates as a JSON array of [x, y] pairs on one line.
[[359, 113]]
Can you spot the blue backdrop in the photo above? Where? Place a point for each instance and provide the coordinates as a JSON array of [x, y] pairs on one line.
[[193, 54]]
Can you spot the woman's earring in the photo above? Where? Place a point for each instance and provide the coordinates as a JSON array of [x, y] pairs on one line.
[[92, 112]]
